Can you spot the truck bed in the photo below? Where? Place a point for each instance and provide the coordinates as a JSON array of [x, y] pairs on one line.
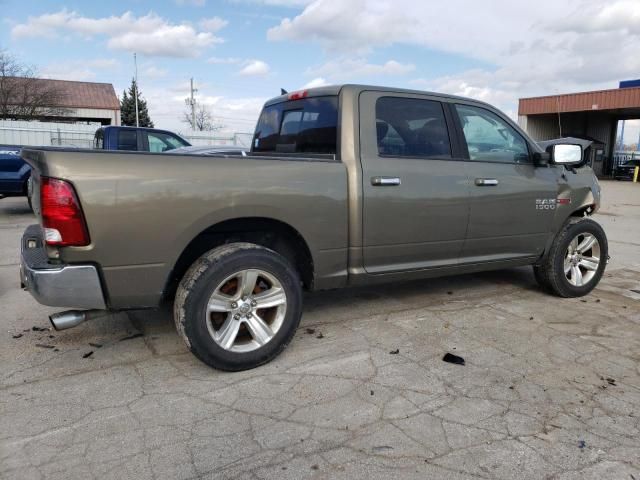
[[143, 209]]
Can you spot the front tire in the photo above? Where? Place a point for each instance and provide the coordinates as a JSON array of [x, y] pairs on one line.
[[576, 261], [238, 306]]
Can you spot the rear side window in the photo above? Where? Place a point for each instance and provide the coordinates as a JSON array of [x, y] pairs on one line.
[[298, 126], [127, 140], [409, 127]]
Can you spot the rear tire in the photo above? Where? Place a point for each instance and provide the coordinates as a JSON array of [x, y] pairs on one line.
[[576, 261], [238, 306]]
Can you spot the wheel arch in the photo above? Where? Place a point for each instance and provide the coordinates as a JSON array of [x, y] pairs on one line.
[[264, 231], [586, 209]]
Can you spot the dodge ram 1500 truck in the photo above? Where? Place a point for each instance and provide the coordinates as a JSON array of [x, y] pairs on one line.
[[344, 185]]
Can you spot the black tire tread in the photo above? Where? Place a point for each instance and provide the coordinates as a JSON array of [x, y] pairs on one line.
[[547, 273], [210, 260]]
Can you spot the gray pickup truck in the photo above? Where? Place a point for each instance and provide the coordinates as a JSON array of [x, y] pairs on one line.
[[345, 185]]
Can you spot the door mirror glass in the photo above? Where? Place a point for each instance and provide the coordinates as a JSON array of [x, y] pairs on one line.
[[564, 154]]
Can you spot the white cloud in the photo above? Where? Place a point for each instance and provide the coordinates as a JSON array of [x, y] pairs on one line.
[[279, 3], [530, 48], [213, 24], [255, 68], [316, 82], [79, 70], [621, 15], [361, 25], [250, 67], [149, 34], [224, 61], [152, 72], [238, 114], [345, 69], [103, 63], [167, 40], [195, 3]]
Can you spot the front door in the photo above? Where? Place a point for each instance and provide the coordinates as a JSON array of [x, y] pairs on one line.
[[512, 200], [415, 205]]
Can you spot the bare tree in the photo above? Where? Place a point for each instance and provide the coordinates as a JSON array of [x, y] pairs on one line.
[[205, 122], [24, 96]]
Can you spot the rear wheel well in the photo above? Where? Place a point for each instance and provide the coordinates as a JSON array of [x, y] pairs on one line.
[[25, 185], [270, 233]]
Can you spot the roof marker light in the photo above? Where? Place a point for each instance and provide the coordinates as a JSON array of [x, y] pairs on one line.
[[298, 95]]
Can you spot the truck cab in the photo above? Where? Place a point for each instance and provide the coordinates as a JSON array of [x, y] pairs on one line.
[[137, 139]]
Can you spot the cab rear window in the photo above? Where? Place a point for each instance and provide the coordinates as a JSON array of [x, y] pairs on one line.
[[308, 125]]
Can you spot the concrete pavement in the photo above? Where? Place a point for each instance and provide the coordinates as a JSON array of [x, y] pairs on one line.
[[550, 389]]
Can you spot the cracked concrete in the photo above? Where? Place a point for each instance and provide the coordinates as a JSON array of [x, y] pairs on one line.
[[550, 389]]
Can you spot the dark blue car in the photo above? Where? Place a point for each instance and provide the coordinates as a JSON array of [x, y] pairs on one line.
[[14, 172]]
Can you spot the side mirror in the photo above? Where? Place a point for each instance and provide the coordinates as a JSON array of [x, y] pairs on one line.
[[566, 154]]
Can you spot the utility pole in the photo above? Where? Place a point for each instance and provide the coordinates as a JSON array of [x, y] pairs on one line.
[[135, 62]]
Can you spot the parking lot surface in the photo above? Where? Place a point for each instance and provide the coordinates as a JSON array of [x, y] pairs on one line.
[[550, 387]]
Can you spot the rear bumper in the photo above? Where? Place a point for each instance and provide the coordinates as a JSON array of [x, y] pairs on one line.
[[72, 286]]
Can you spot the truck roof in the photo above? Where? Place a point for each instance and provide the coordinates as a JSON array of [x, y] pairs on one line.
[[129, 127], [336, 89]]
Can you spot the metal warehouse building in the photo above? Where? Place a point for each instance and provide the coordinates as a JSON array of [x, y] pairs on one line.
[[79, 109], [591, 115], [81, 101]]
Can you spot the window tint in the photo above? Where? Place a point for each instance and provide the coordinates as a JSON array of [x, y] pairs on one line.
[[127, 140], [298, 126], [409, 127], [489, 138], [162, 142]]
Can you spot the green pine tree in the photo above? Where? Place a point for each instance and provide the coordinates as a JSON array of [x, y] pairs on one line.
[[128, 108]]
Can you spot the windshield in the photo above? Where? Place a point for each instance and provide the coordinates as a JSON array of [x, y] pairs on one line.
[[298, 126]]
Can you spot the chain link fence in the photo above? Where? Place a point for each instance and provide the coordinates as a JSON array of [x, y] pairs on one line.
[[16, 132], [236, 139]]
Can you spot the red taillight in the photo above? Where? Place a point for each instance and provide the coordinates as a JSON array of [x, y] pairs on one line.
[[298, 95], [62, 217]]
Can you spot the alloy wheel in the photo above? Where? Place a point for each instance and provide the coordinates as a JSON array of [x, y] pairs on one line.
[[246, 310]]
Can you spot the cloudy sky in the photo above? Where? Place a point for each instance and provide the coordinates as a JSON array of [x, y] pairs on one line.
[[241, 52]]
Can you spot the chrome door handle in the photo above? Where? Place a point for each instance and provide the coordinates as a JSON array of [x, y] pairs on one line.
[[486, 182], [385, 181]]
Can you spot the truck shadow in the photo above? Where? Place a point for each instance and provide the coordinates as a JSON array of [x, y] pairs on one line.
[[419, 293], [336, 305]]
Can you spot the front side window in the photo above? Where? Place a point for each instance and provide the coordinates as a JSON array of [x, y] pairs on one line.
[[410, 127], [162, 142], [308, 125], [127, 140], [491, 139]]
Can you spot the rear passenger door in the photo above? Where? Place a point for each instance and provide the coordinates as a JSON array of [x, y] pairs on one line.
[[415, 205], [128, 139], [512, 200]]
